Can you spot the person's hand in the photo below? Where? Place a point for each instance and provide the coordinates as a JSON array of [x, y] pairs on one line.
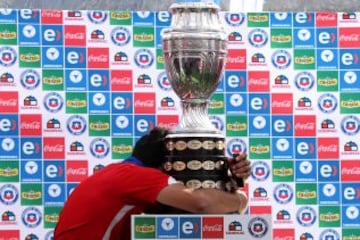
[[240, 166]]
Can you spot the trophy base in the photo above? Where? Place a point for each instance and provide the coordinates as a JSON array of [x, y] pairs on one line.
[[197, 159]]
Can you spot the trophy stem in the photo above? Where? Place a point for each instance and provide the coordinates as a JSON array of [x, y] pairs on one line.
[[195, 118]]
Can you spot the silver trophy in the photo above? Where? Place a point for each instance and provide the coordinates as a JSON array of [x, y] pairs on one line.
[[195, 50]]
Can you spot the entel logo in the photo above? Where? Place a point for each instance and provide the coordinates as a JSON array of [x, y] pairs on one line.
[[8, 126], [121, 103], [258, 103], [349, 58], [30, 148], [54, 171], [303, 18], [327, 171], [305, 148]]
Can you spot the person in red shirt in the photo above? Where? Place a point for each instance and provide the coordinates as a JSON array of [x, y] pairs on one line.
[[100, 207]]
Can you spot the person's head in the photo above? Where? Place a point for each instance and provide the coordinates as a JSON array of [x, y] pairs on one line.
[[150, 148]]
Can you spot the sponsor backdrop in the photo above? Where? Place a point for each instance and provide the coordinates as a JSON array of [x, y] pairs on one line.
[[77, 88]]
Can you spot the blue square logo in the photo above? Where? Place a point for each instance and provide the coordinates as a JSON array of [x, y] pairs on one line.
[[329, 193], [235, 81], [54, 171], [122, 103], [305, 171], [75, 57], [29, 34], [9, 125], [167, 227], [351, 216], [304, 19], [326, 37], [327, 59], [305, 148], [31, 171], [9, 147], [99, 80], [54, 193], [349, 80], [282, 125], [122, 125], [143, 124], [75, 80], [143, 18], [190, 227], [236, 103], [282, 148], [29, 16], [52, 57], [259, 125], [99, 102], [281, 19], [328, 171], [31, 148], [163, 19], [259, 103], [52, 35], [349, 59], [304, 38], [350, 193]]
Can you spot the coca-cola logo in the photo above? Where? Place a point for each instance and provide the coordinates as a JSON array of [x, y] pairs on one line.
[[100, 58], [326, 17], [31, 125], [260, 81], [236, 60], [77, 171], [330, 148], [75, 36], [213, 228], [282, 104], [121, 81], [305, 126], [351, 171], [54, 149], [145, 103], [52, 14], [354, 37], [8, 102], [284, 238]]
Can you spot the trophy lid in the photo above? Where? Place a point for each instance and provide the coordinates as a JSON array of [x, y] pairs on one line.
[[193, 5]]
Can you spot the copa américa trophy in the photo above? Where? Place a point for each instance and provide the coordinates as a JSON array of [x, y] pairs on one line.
[[195, 51]]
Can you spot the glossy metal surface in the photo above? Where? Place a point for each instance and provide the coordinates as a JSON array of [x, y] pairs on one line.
[[195, 49]]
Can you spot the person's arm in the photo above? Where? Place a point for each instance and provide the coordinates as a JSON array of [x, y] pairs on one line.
[[202, 201]]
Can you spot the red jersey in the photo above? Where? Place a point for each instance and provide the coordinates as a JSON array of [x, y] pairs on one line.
[[101, 206]]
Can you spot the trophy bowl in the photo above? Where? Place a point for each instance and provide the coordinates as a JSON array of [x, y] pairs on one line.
[[195, 51]]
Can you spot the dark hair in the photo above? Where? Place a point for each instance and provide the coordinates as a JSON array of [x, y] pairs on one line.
[[150, 148]]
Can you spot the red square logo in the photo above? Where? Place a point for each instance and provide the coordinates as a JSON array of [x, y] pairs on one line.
[[282, 103], [350, 171], [54, 148], [305, 125], [326, 19], [75, 35], [213, 227], [30, 125], [51, 16], [121, 80], [259, 81], [98, 57], [284, 234], [9, 102], [10, 234], [76, 170], [349, 37], [328, 148], [260, 210], [144, 103], [168, 121], [236, 59]]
